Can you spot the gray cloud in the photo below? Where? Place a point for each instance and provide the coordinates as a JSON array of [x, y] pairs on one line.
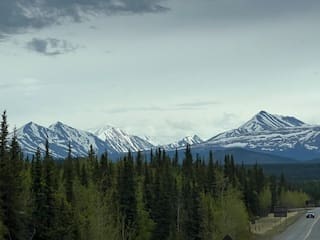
[[177, 107], [198, 104], [25, 86], [227, 121], [5, 86], [19, 15], [253, 9], [180, 125], [50, 46], [136, 109]]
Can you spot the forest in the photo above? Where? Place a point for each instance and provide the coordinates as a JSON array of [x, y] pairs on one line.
[[140, 196]]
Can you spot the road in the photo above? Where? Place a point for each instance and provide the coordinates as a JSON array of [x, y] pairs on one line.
[[303, 229]]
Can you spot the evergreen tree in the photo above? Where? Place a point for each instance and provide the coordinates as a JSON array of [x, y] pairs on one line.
[[10, 183], [3, 169], [139, 164], [105, 173], [148, 197], [211, 176], [68, 176], [127, 197], [176, 158], [274, 192], [84, 176], [93, 165], [49, 190], [164, 204], [38, 228], [4, 137]]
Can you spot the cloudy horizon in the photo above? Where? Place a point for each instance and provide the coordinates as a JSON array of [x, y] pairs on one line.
[[164, 69]]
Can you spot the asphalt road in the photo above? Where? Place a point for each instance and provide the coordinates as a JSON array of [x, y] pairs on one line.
[[303, 229]]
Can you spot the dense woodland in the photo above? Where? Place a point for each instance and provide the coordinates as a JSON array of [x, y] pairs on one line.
[[132, 199]]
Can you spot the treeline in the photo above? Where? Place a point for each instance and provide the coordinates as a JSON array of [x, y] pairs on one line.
[[131, 199]]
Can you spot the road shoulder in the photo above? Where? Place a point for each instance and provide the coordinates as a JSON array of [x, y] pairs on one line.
[[268, 227]]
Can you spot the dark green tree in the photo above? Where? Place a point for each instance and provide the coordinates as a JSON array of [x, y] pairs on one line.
[[69, 176], [11, 167], [49, 191], [38, 228], [127, 196]]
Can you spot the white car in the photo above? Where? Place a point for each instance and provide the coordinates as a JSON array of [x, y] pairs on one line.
[[310, 214]]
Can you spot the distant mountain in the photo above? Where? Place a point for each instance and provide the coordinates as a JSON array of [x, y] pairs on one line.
[[31, 136], [111, 139], [284, 137], [278, 135], [120, 140], [189, 140], [264, 121]]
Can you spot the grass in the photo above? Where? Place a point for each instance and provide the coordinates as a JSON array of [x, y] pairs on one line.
[[268, 227]]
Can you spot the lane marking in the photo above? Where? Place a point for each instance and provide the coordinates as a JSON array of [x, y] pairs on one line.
[[310, 230]]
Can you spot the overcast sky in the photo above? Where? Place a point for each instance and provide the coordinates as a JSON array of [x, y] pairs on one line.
[[165, 69]]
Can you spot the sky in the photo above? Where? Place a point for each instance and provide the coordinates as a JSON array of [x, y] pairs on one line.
[[159, 68]]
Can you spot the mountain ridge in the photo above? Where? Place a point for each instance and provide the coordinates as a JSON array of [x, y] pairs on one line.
[[278, 135], [112, 140]]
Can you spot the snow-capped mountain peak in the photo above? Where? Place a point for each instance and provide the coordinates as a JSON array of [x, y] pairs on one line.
[[59, 126], [31, 126], [189, 140], [120, 140], [101, 132], [280, 135], [264, 121], [32, 136]]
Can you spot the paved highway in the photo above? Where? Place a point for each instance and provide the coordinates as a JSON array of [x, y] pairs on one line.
[[303, 229]]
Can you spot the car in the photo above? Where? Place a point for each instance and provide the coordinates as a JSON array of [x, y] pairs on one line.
[[310, 214]]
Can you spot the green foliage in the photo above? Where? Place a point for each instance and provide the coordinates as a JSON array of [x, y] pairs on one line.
[[11, 184], [127, 195], [230, 216], [293, 199], [312, 188], [144, 222], [265, 201]]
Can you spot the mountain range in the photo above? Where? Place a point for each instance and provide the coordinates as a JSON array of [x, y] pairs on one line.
[[264, 136], [108, 139]]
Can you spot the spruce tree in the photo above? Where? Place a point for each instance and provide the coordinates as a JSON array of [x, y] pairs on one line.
[[105, 173], [68, 176], [49, 190], [84, 176], [139, 164], [164, 204], [211, 176], [11, 167], [127, 196], [38, 228]]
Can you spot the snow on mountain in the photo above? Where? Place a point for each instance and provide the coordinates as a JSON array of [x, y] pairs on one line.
[[31, 136], [152, 140], [79, 139], [264, 121], [283, 136], [279, 135], [189, 140], [110, 139], [120, 140]]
